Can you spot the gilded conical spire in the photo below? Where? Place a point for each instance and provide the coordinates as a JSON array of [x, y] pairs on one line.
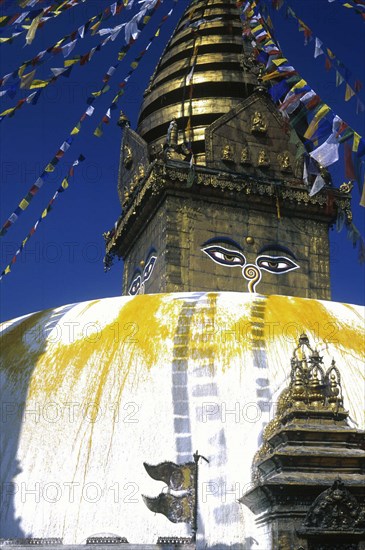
[[203, 73]]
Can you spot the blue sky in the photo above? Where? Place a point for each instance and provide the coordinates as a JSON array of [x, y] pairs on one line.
[[62, 262]]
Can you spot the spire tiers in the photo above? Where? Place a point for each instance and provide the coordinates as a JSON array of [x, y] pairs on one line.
[[200, 76]]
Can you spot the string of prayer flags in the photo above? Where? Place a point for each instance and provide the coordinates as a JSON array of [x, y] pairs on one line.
[[331, 61], [38, 184], [64, 185], [321, 120], [148, 7], [37, 19], [31, 83], [98, 132], [357, 5], [65, 146], [49, 12]]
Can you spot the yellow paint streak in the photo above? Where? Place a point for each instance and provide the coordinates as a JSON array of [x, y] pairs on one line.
[[136, 333], [288, 317]]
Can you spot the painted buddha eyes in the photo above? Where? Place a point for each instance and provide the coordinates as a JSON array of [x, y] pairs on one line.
[[251, 272], [138, 279], [149, 268], [225, 256], [276, 264], [135, 286]]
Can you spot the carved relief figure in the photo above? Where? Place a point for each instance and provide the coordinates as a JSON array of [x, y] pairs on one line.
[[263, 158], [229, 253], [245, 155], [127, 156], [258, 123], [284, 161], [139, 277], [227, 153]]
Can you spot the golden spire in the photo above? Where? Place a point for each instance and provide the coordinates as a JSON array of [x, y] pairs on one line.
[[204, 72]]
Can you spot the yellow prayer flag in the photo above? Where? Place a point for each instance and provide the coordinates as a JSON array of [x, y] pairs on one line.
[[23, 204], [314, 124], [134, 64], [299, 84], [270, 75], [22, 69], [56, 11], [69, 62], [49, 168], [98, 132], [75, 130], [157, 33], [27, 79], [280, 61], [257, 28], [32, 29], [25, 241], [44, 213], [95, 27], [362, 201], [64, 183], [7, 270], [349, 92], [7, 112], [355, 144], [39, 84]]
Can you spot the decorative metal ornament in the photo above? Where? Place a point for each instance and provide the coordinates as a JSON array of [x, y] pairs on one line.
[[336, 509]]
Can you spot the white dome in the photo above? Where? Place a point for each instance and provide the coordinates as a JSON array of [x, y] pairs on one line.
[[93, 390]]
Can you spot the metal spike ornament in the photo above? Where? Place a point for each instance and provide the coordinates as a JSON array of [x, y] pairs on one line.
[[179, 504]]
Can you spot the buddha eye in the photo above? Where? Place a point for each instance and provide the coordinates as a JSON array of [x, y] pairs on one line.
[[149, 268], [224, 256], [276, 264], [135, 286]]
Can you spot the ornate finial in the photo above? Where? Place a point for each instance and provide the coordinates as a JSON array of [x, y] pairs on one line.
[[123, 120], [346, 187], [303, 340]]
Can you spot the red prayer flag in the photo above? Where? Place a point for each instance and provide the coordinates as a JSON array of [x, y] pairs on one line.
[[349, 166]]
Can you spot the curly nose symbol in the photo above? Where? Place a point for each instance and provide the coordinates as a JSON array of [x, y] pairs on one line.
[[253, 275]]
